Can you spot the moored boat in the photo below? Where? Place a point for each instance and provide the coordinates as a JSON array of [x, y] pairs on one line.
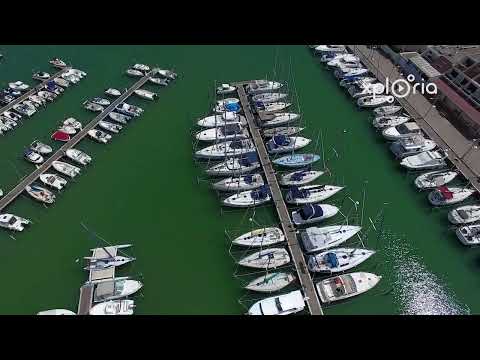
[[374, 101], [387, 110], [346, 286], [53, 180], [116, 289], [465, 214], [224, 119], [337, 260], [286, 304], [40, 147], [113, 92], [411, 146], [240, 183], [448, 195], [100, 101], [296, 160], [235, 166], [281, 144], [78, 156], [223, 133], [404, 130], [312, 213], [285, 131], [226, 89], [66, 168], [262, 86], [382, 122], [39, 193], [93, 107], [59, 63], [425, 161], [260, 237], [249, 198], [434, 179], [113, 307], [469, 234], [266, 259], [135, 73], [61, 136], [119, 118], [145, 94], [310, 194], [320, 238], [271, 282], [300, 177], [114, 128], [13, 222], [99, 136], [33, 157], [73, 123], [226, 149]]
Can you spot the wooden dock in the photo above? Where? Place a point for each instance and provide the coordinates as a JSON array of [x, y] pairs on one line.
[[306, 282], [27, 180], [33, 90]]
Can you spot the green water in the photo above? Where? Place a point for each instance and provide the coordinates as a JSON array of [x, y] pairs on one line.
[[142, 189]]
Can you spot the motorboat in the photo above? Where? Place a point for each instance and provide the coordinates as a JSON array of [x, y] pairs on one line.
[[412, 145], [41, 75], [366, 90], [310, 194], [327, 57], [346, 83], [40, 194], [11, 116], [240, 183], [469, 234], [338, 260], [69, 77], [448, 195], [342, 60], [119, 118], [158, 81], [226, 149], [286, 304], [37, 100], [272, 107], [434, 179], [66, 168], [81, 74], [266, 259], [169, 74], [331, 48], [56, 312], [351, 73], [129, 110], [227, 132], [404, 130], [25, 109], [115, 289], [61, 136], [54, 88], [227, 107], [141, 67], [296, 160], [13, 222], [427, 160], [222, 120], [285, 131], [133, 72], [33, 157], [300, 177], [374, 101], [346, 286], [387, 110], [113, 307], [78, 156], [226, 101], [249, 198], [382, 122], [18, 85], [320, 238], [61, 82], [271, 282], [260, 237], [278, 119], [8, 124], [225, 89], [93, 107], [113, 92], [465, 214], [235, 166], [72, 122], [145, 94], [267, 98], [262, 86], [70, 130], [58, 63], [100, 101], [281, 144], [31, 104], [105, 263], [99, 136], [312, 213], [53, 180], [6, 99], [47, 95], [114, 128]]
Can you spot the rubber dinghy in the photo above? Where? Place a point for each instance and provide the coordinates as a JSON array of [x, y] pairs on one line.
[[260, 237]]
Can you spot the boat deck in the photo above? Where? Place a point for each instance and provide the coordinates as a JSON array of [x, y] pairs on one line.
[[306, 282], [29, 179]]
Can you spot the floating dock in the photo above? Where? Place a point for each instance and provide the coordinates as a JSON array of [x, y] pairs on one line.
[[289, 230], [20, 187]]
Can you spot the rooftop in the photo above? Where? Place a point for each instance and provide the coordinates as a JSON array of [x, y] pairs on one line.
[[422, 64], [455, 53]]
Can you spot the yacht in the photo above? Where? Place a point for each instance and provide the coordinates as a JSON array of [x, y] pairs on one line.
[[434, 179], [100, 101], [77, 125], [271, 282], [272, 107], [235, 166], [411, 146], [227, 132], [346, 83], [320, 238], [225, 89], [78, 156], [374, 101], [351, 73], [312, 213], [465, 214], [286, 304], [135, 73], [300, 177], [141, 67], [346, 286], [129, 110], [262, 86], [446, 195], [58, 63], [331, 48], [310, 194], [404, 130], [158, 81], [281, 144], [113, 92], [47, 95], [266, 259], [24, 109], [119, 118], [222, 120], [18, 85], [11, 116], [81, 74], [240, 183], [165, 73], [114, 128], [267, 98], [357, 91], [115, 289], [99, 136], [427, 160], [285, 131], [344, 59], [145, 94], [13, 222], [33, 157], [469, 234], [37, 100], [382, 122], [277, 119], [70, 130], [53, 180], [66, 168], [260, 237], [296, 160], [41, 194], [113, 307], [41, 75], [61, 82], [249, 198], [387, 110], [226, 149], [338, 260], [227, 107]]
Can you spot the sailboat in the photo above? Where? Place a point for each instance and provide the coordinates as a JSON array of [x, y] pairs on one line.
[[260, 237], [300, 177], [337, 260], [249, 198], [320, 238], [266, 259], [296, 160], [311, 194], [281, 144], [271, 282], [240, 183], [235, 166]]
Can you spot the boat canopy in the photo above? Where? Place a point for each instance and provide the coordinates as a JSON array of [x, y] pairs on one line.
[[261, 193], [331, 259], [232, 107], [310, 211], [280, 140], [237, 144], [298, 193], [249, 159], [446, 193], [231, 129], [298, 175], [248, 179]]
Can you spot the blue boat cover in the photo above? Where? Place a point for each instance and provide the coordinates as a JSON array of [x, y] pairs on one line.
[[249, 159], [297, 193], [234, 107], [248, 179], [331, 259], [311, 211], [299, 175], [236, 144], [261, 193], [281, 140]]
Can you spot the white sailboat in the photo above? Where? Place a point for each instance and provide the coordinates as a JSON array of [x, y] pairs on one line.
[[320, 238], [266, 259], [249, 198], [223, 119], [226, 149], [271, 282], [235, 166], [313, 213], [260, 237], [280, 144], [240, 183], [300, 177], [310, 194], [277, 119], [338, 260]]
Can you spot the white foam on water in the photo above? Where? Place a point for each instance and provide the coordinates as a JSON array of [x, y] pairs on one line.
[[417, 290]]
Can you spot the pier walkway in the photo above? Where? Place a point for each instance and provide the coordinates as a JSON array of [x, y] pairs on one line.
[[460, 150], [20, 187], [32, 91], [306, 282]]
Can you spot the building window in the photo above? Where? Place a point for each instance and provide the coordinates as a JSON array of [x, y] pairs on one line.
[[453, 73]]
